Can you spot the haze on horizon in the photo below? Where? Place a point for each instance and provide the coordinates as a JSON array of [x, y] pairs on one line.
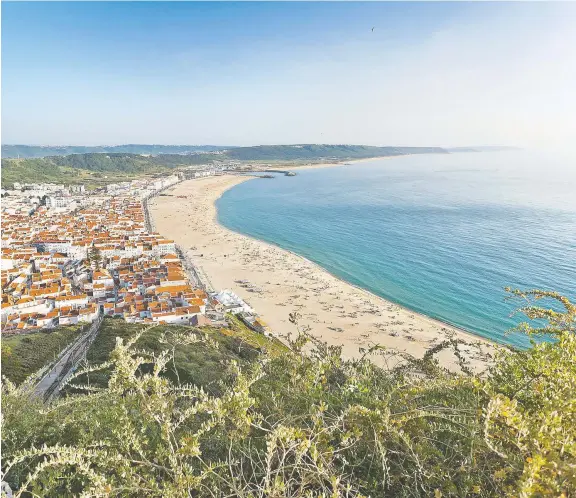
[[429, 74]]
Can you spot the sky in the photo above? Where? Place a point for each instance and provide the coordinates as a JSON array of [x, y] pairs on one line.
[[418, 74]]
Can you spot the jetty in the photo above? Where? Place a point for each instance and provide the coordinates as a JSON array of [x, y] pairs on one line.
[[284, 172], [277, 171]]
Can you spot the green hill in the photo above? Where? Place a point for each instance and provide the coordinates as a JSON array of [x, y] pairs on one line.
[[32, 171], [92, 167], [195, 361], [314, 152], [272, 152], [30, 151], [25, 354]]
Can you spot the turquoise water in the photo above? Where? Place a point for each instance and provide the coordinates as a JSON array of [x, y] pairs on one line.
[[440, 234]]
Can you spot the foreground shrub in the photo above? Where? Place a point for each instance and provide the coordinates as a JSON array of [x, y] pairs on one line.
[[25, 354], [309, 425]]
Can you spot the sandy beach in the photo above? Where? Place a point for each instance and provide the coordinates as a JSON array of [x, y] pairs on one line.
[[335, 311]]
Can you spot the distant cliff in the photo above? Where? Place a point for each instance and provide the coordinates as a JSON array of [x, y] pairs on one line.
[[313, 152]]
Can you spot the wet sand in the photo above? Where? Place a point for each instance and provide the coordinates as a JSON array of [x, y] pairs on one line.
[[335, 311]]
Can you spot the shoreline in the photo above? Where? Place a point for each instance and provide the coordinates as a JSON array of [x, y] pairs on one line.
[[471, 335], [337, 164], [227, 256]]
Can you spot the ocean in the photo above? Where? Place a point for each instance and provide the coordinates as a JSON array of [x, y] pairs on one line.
[[439, 234]]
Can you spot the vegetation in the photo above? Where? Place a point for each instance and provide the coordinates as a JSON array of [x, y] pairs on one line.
[[25, 354], [193, 360], [313, 152], [77, 168], [276, 152], [93, 167], [30, 151], [309, 425], [38, 171], [95, 257]]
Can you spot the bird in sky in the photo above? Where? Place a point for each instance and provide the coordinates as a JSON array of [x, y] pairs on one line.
[[373, 30]]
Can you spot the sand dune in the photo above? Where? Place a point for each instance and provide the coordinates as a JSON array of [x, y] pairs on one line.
[[335, 311]]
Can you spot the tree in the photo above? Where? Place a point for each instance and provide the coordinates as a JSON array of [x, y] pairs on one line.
[[95, 257]]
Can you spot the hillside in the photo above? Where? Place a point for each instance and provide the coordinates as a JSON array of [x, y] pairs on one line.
[[272, 152], [314, 152], [186, 415], [92, 167], [25, 354], [32, 171], [31, 151], [194, 361]]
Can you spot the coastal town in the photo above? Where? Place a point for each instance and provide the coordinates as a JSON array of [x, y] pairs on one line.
[[150, 251], [287, 249], [70, 256]]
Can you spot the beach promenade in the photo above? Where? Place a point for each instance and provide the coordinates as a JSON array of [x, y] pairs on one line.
[[334, 311]]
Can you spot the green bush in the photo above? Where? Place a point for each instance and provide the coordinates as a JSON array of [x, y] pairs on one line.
[[308, 425], [24, 355], [193, 361]]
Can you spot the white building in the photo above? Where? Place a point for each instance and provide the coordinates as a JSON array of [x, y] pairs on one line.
[[231, 302], [78, 251], [41, 306], [77, 189], [164, 247], [58, 202], [178, 316], [76, 301], [55, 246], [200, 174]]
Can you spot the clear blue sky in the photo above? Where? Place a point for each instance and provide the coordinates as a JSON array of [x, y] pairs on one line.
[[250, 73]]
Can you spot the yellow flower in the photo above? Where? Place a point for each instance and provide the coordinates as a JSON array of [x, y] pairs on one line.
[[500, 474]]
